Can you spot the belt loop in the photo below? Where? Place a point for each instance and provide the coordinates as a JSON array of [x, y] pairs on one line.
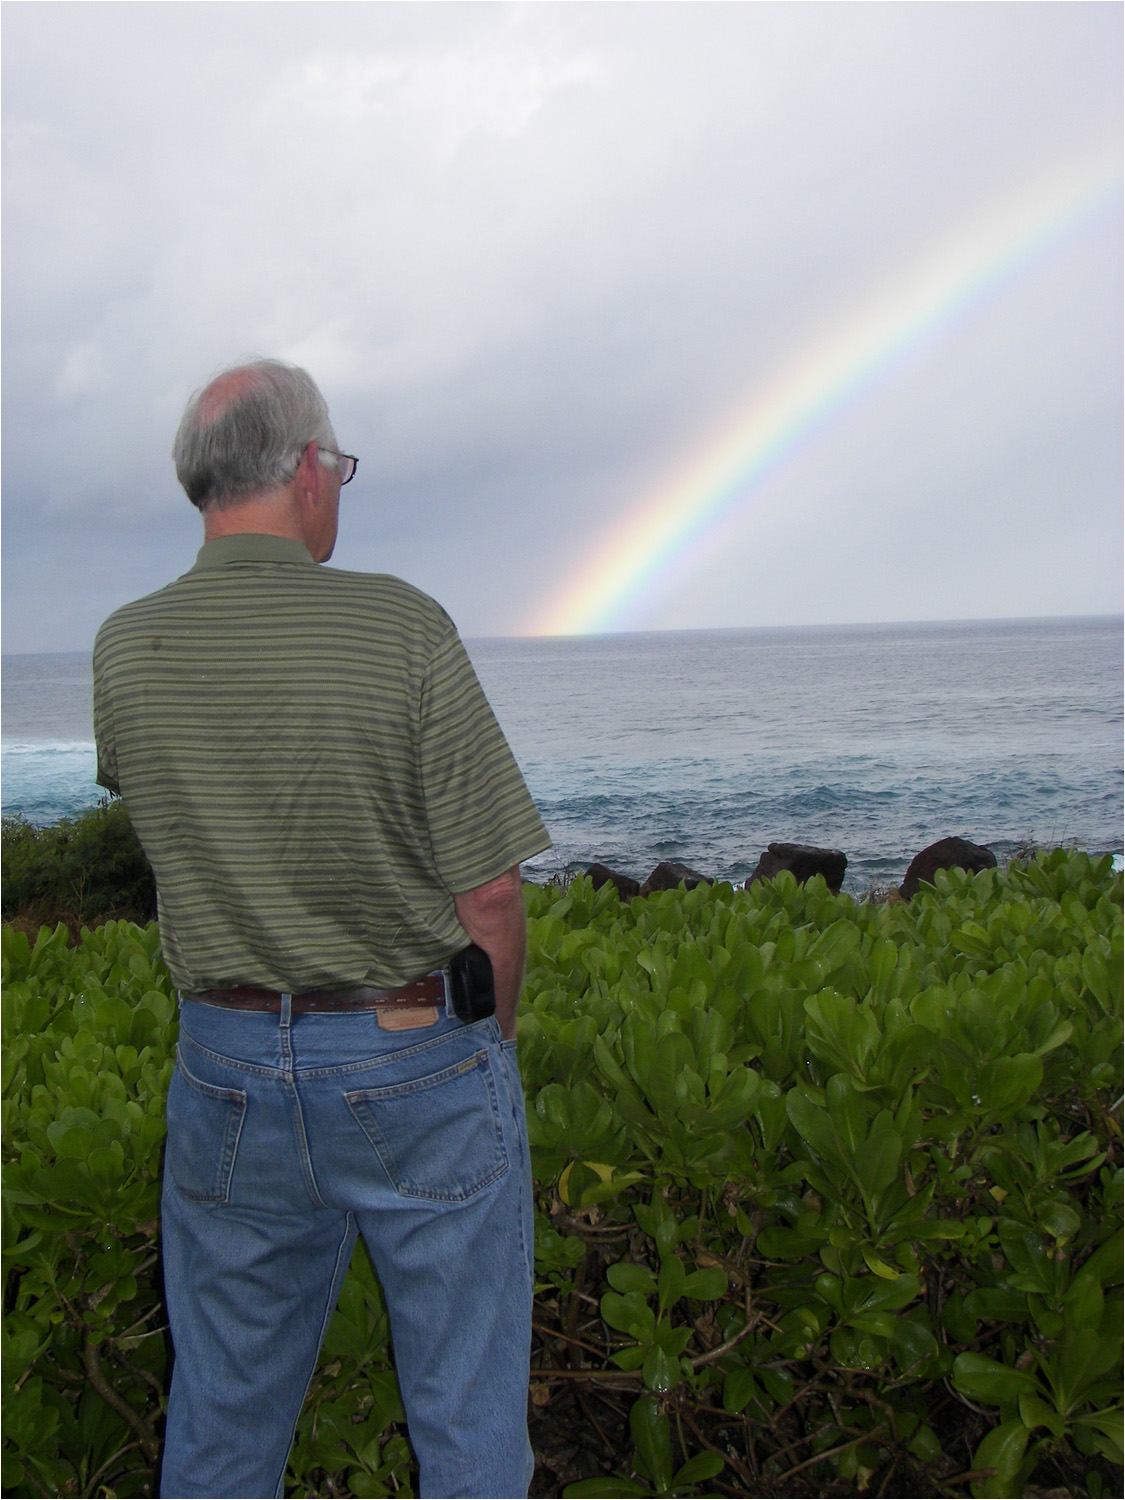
[[286, 1009], [450, 1013]]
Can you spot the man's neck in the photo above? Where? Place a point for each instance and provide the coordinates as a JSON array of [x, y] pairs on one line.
[[305, 510], [265, 515]]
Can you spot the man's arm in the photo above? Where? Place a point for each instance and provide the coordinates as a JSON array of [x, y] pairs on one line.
[[493, 916]]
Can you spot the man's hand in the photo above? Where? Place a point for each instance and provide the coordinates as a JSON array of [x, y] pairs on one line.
[[493, 916]]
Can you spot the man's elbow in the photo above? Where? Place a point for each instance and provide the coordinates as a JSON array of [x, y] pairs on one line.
[[493, 900]]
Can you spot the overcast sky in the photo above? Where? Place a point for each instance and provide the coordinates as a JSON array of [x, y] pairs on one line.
[[538, 256]]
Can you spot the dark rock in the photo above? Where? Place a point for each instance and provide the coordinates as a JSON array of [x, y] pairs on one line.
[[668, 875], [946, 854], [804, 861], [626, 886]]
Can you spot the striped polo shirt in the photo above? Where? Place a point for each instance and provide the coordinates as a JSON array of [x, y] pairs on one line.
[[311, 766]]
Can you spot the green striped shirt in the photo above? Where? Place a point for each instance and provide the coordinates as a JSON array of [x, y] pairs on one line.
[[311, 766]]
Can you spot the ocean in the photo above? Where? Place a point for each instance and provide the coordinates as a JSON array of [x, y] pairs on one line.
[[705, 746]]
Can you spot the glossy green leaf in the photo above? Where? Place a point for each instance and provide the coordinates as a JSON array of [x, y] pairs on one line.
[[629, 1314], [1084, 1302], [604, 1489], [659, 1369], [1104, 1428], [652, 1436], [1035, 1412], [1003, 1450], [697, 1470], [706, 1285], [671, 1281], [987, 1380], [625, 1276], [739, 1389]]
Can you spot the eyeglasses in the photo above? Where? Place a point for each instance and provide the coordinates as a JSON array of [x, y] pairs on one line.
[[346, 465]]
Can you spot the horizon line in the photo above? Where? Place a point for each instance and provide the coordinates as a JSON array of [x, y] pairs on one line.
[[1097, 615]]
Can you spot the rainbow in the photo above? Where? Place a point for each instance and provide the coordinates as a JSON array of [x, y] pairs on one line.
[[643, 549]]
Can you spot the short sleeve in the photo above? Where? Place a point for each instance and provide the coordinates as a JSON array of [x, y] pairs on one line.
[[104, 737], [481, 817]]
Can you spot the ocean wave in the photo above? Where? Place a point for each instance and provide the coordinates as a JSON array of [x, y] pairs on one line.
[[45, 748], [44, 781]]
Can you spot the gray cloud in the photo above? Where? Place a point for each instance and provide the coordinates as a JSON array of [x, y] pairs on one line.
[[534, 254]]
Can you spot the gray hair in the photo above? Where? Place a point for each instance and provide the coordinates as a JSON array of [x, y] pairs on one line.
[[244, 433]]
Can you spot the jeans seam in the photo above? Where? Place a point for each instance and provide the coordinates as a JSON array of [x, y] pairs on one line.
[[398, 1054], [303, 1153], [523, 1153], [342, 1262], [427, 1081]]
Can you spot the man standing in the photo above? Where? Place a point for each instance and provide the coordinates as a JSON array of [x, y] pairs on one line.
[[334, 818]]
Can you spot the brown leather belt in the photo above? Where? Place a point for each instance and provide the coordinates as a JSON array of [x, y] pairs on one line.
[[427, 991]]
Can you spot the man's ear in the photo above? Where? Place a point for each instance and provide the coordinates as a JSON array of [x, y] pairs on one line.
[[308, 473]]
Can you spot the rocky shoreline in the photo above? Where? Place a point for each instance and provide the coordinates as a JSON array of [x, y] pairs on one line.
[[804, 861]]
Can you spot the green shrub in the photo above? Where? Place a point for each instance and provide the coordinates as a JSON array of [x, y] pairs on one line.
[[847, 1173], [828, 1198], [90, 867], [86, 1033]]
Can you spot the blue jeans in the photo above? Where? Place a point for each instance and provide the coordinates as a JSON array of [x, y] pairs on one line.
[[287, 1135]]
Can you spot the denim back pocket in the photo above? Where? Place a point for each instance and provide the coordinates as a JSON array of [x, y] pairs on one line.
[[438, 1137], [204, 1125]]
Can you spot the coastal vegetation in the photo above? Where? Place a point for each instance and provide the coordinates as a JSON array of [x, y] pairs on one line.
[[829, 1199], [79, 871]]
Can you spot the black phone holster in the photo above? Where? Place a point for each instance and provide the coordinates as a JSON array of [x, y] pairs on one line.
[[470, 984]]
